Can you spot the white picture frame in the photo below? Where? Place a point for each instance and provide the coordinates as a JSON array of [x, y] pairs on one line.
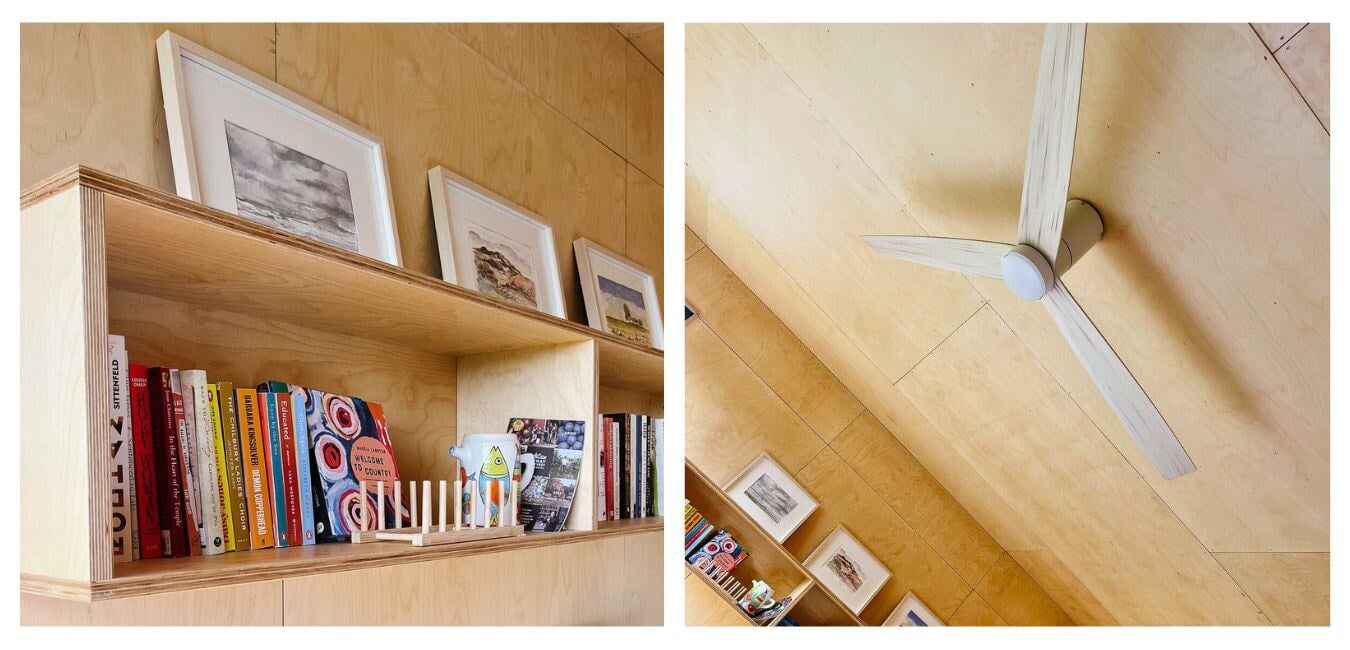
[[610, 281], [769, 495], [244, 144], [842, 565], [911, 612], [468, 216]]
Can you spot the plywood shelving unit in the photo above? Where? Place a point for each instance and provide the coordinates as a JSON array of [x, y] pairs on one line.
[[194, 287], [768, 560]]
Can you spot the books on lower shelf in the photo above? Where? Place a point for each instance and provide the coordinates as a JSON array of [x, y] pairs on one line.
[[631, 466], [203, 468], [706, 548]]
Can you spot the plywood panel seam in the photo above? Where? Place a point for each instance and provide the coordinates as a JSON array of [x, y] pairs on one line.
[[639, 50], [1285, 72], [1241, 589], [983, 303], [520, 85]]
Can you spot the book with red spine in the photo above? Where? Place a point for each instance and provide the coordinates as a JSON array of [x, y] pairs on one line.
[[187, 457], [290, 476], [608, 460], [143, 456], [173, 523]]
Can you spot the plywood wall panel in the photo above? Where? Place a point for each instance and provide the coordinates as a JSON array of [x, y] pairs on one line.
[[1306, 58], [1290, 588], [1017, 598], [646, 116], [1169, 264], [435, 101], [253, 604], [975, 613], [845, 498], [1063, 587], [880, 460], [652, 45], [763, 343], [731, 416], [692, 244], [1275, 35], [89, 94], [578, 68], [643, 230]]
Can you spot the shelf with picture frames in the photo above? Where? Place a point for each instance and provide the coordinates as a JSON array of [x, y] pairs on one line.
[[767, 560], [190, 286]]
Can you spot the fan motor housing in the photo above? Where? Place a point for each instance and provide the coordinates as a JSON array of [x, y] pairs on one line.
[[1026, 271]]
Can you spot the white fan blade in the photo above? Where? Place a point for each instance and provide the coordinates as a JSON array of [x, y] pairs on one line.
[[1054, 121], [969, 256], [1126, 397]]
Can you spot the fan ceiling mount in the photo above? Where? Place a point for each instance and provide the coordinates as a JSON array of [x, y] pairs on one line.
[[1052, 235]]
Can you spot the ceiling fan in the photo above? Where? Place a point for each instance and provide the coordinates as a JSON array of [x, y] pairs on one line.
[[1052, 234]]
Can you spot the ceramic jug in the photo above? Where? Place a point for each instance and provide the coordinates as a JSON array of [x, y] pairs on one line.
[[486, 463]]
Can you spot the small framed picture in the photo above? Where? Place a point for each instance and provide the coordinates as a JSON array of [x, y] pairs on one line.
[[244, 144], [493, 246], [911, 612], [848, 570], [620, 295], [769, 495]]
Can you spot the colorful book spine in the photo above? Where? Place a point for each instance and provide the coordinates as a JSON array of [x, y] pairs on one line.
[[285, 417], [659, 466], [187, 457], [143, 453], [614, 465], [640, 464], [173, 531], [204, 469], [236, 481], [120, 443], [299, 402], [222, 484], [256, 469], [267, 408], [602, 513]]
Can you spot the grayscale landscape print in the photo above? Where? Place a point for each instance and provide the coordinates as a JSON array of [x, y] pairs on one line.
[[281, 187], [503, 266], [766, 494], [624, 310]]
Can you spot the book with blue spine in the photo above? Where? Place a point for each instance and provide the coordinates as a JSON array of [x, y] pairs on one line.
[[300, 398], [269, 404]]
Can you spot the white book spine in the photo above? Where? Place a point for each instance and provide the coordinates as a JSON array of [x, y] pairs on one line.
[[207, 475], [125, 540], [600, 493], [188, 452]]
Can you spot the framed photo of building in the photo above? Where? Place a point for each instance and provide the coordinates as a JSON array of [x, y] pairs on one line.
[[243, 144], [493, 246], [848, 570], [766, 492], [911, 612], [620, 295]]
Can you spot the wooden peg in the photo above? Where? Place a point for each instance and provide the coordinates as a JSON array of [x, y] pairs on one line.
[[412, 503], [398, 504], [442, 509], [473, 506], [426, 506], [459, 503], [364, 527], [379, 500], [515, 501]]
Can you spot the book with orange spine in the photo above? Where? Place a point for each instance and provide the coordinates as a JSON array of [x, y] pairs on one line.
[[257, 471]]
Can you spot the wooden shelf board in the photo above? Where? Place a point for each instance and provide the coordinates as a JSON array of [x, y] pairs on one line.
[[724, 595], [158, 576], [166, 246]]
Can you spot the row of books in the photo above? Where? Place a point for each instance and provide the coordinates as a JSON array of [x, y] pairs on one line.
[[706, 547], [204, 467], [632, 455]]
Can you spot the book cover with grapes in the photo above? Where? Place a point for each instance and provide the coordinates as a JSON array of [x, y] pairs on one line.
[[557, 448]]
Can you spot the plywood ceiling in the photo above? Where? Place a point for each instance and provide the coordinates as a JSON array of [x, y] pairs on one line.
[[1212, 177]]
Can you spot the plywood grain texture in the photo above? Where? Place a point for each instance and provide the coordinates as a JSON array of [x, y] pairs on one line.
[[880, 460], [643, 229], [487, 589], [1306, 58], [1063, 587], [652, 45], [692, 244], [537, 113], [847, 499], [1017, 598], [646, 116], [767, 346], [732, 416], [254, 604], [1290, 588], [578, 68], [975, 613], [1275, 35], [704, 608], [1227, 332]]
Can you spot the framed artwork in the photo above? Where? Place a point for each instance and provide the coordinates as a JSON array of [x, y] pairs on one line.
[[769, 495], [243, 144], [848, 570], [620, 295], [911, 612], [494, 246]]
